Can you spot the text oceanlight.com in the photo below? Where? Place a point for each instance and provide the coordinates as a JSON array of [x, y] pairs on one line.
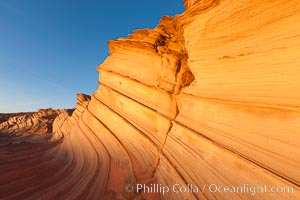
[[213, 188]]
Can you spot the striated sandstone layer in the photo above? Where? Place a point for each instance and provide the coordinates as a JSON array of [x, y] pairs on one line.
[[210, 96], [19, 126]]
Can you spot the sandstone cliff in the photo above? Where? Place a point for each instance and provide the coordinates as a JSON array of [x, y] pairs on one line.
[[210, 96]]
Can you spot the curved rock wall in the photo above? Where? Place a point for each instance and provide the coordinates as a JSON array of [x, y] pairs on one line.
[[245, 96], [208, 97]]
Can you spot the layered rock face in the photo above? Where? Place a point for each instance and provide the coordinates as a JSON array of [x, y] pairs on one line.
[[28, 124], [27, 159], [66, 120], [208, 98]]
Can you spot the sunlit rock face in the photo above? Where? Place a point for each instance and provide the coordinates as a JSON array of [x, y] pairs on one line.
[[208, 98], [31, 123]]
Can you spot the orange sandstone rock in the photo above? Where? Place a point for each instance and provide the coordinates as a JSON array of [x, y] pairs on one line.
[[209, 97]]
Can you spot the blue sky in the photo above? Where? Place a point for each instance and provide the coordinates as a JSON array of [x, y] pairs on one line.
[[49, 49]]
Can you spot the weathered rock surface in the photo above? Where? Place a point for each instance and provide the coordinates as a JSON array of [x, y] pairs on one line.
[[28, 124], [208, 97]]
